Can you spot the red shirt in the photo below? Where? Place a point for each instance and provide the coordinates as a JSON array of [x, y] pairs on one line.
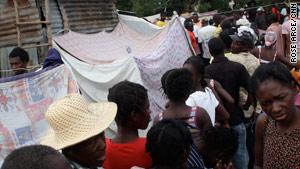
[[193, 40], [126, 155]]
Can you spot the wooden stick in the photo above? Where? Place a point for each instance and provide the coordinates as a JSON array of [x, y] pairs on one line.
[[48, 19], [17, 21], [32, 23], [35, 46]]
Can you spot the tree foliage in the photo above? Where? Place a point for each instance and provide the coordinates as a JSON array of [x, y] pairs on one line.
[[151, 7]]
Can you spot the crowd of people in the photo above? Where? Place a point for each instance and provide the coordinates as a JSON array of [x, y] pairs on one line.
[[234, 104]]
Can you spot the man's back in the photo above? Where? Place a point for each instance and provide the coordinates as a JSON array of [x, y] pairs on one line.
[[232, 76]]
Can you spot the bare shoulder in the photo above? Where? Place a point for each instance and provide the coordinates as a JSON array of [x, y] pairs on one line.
[[261, 121]]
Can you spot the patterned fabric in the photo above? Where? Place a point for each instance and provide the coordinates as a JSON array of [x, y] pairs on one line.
[[281, 150], [155, 50], [23, 104], [191, 121], [195, 160], [251, 63]]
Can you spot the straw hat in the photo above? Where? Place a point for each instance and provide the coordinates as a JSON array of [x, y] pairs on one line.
[[72, 120]]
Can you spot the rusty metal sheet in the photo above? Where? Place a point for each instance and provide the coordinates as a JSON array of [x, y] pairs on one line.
[[28, 12], [88, 16]]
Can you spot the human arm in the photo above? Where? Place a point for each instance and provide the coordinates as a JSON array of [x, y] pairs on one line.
[[222, 115], [244, 82], [259, 149], [285, 61], [224, 94], [203, 119], [287, 44]]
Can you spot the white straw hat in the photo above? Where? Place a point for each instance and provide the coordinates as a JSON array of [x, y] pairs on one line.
[[72, 120]]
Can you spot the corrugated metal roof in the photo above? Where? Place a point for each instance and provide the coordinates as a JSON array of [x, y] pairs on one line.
[[88, 16], [55, 15], [28, 13]]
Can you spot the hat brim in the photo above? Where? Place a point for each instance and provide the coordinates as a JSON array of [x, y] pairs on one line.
[[100, 117]]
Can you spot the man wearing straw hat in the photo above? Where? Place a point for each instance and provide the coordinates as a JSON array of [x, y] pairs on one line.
[[77, 128]]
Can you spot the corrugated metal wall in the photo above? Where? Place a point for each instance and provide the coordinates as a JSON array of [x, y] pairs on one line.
[[84, 16], [56, 18], [27, 12], [88, 16]]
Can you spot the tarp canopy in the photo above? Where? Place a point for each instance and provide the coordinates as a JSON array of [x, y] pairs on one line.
[[101, 60], [23, 104]]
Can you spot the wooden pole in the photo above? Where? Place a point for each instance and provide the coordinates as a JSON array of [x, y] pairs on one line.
[[17, 21], [48, 19]]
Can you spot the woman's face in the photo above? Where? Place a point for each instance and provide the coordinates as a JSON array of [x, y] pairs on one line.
[[90, 153], [276, 99]]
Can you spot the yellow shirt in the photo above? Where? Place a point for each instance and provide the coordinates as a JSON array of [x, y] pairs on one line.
[[218, 31], [161, 23]]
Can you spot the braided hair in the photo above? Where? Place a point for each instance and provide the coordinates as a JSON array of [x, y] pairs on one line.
[[167, 142], [129, 97], [177, 84], [221, 138], [272, 70], [198, 65], [163, 81]]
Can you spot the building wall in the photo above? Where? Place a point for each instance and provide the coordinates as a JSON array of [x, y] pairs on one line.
[[88, 16]]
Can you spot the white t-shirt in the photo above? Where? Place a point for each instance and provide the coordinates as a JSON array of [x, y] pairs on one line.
[[204, 35], [207, 100], [196, 30]]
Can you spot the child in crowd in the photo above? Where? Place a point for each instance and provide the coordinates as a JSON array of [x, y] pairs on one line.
[[278, 129], [169, 144], [127, 149], [204, 92], [177, 85]]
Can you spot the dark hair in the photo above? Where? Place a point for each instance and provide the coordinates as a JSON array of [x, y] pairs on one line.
[[167, 141], [217, 17], [163, 13], [30, 157], [198, 65], [19, 52], [163, 80], [178, 84], [129, 97], [188, 22], [226, 24], [224, 35], [211, 22], [273, 17], [216, 46], [222, 139], [272, 70]]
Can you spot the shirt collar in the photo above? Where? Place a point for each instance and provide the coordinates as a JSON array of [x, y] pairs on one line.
[[220, 59]]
